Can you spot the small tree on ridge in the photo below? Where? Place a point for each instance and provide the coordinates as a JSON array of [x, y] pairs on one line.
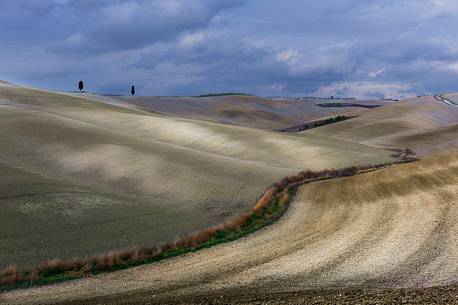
[[81, 85]]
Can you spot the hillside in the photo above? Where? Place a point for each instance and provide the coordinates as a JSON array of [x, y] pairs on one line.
[[81, 175], [249, 111], [360, 238], [423, 124]]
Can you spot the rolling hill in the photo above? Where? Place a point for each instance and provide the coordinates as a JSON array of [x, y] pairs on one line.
[[82, 175], [422, 124], [382, 237], [249, 111]]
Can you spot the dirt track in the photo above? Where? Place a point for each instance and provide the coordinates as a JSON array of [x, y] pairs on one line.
[[391, 229]]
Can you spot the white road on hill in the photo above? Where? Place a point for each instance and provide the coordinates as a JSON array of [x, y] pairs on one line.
[[440, 98]]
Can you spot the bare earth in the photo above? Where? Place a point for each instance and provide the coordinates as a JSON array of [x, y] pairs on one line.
[[341, 239], [249, 111], [422, 124], [82, 173]]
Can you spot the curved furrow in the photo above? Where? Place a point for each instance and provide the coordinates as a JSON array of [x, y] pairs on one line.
[[394, 228]]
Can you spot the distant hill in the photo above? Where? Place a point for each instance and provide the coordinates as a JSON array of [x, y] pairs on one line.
[[245, 110]]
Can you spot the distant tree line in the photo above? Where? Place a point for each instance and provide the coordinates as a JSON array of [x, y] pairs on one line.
[[348, 105], [318, 123], [222, 94]]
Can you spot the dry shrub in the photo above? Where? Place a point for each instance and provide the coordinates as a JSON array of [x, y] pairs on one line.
[[11, 280], [105, 261], [346, 172], [229, 225], [237, 223], [181, 242], [113, 258], [137, 254], [146, 252], [9, 271], [212, 231], [293, 179], [404, 154], [32, 277], [10, 275], [85, 266], [202, 237], [74, 263], [54, 266], [242, 219], [265, 199], [281, 184], [284, 197], [194, 240], [305, 175]]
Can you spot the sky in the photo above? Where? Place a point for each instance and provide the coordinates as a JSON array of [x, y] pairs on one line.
[[346, 48]]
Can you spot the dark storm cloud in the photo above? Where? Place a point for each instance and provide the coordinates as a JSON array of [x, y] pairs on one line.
[[350, 47], [120, 25]]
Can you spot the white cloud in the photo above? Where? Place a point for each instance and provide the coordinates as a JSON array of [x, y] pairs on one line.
[[278, 87], [192, 40], [377, 73], [289, 56], [445, 6], [76, 40], [120, 25], [452, 67]]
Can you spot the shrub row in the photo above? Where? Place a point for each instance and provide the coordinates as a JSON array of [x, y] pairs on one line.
[[404, 154], [269, 207], [319, 123]]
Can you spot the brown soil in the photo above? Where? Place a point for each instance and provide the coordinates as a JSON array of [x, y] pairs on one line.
[[434, 295], [378, 238]]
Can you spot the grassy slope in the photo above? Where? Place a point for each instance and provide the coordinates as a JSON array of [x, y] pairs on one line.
[[79, 176]]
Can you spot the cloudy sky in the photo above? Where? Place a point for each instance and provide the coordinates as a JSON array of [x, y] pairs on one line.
[[358, 48]]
